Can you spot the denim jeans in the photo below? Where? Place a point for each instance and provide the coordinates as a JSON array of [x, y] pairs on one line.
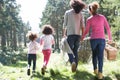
[[32, 57], [73, 41], [97, 46]]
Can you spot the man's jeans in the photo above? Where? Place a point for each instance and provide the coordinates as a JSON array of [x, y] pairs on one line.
[[73, 41]]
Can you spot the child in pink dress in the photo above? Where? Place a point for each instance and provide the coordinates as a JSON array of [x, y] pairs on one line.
[[46, 40]]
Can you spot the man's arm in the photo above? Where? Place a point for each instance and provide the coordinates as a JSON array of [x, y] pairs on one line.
[[82, 24], [64, 32]]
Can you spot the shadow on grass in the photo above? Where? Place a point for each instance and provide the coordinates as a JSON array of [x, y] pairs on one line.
[[37, 75], [56, 75], [84, 75], [107, 78], [117, 76], [79, 75]]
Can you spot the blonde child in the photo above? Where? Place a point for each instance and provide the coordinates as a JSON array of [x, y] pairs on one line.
[[33, 46]]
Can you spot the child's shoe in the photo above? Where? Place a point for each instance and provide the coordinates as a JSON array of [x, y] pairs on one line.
[[42, 71], [44, 67], [28, 72], [73, 67], [33, 71]]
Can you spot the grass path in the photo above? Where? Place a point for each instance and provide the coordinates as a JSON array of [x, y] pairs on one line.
[[57, 70]]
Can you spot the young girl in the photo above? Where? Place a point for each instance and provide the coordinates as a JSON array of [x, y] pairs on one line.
[[33, 46], [46, 40]]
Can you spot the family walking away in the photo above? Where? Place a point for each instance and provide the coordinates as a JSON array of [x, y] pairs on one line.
[[33, 47], [97, 23], [73, 28], [74, 31], [46, 41]]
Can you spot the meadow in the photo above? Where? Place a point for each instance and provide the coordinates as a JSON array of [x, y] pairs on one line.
[[58, 69]]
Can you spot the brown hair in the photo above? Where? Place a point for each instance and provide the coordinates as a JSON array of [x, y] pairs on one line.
[[31, 35], [47, 29], [77, 5], [93, 7]]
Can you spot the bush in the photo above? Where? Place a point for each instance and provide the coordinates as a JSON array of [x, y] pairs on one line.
[[11, 57]]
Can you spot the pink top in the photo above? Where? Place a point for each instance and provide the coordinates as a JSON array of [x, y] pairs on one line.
[[97, 23]]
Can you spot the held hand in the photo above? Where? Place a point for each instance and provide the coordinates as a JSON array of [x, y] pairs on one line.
[[64, 36], [110, 42], [81, 40]]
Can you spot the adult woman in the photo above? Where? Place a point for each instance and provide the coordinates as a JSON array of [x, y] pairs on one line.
[[72, 27], [97, 22]]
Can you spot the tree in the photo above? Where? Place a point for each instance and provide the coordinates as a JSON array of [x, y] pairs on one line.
[[53, 15], [111, 9], [55, 9], [11, 24]]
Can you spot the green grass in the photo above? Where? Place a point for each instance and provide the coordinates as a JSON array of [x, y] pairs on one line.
[[57, 70]]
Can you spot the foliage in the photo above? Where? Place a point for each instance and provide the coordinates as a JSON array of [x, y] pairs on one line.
[[111, 9], [55, 9], [12, 57], [53, 15], [11, 25]]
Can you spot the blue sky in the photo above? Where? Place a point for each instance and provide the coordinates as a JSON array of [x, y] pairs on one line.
[[31, 10]]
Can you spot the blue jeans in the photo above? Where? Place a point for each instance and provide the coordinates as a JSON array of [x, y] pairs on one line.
[[32, 57], [73, 41], [97, 46]]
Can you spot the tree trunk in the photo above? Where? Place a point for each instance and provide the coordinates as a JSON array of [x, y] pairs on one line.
[[14, 39], [7, 38], [3, 41], [57, 39], [25, 39]]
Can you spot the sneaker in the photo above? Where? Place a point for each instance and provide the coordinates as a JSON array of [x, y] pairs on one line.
[[28, 72], [73, 68], [42, 71], [44, 67]]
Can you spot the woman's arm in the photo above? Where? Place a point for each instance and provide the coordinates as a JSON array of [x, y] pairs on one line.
[[86, 29], [65, 24], [107, 28]]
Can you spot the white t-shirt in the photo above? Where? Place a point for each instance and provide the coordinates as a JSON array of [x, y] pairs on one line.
[[33, 46], [46, 41]]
